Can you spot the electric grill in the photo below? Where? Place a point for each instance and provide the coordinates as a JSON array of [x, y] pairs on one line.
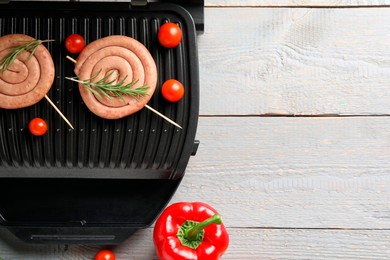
[[107, 178]]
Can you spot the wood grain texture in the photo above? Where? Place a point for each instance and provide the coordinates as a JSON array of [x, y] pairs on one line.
[[270, 3], [295, 61], [244, 244], [293, 3], [307, 244], [293, 172]]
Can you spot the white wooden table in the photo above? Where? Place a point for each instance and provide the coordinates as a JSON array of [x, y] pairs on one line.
[[294, 131]]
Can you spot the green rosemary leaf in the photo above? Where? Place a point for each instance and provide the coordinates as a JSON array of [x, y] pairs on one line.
[[108, 89], [30, 46], [93, 91]]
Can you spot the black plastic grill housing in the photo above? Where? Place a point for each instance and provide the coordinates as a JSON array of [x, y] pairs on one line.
[[107, 178]]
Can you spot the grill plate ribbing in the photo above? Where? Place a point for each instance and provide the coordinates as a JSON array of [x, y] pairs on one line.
[[139, 146]]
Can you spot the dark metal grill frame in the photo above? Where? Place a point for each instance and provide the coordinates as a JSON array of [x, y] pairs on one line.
[[107, 178]]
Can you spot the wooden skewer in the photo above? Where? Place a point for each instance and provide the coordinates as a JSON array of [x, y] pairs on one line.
[[148, 107], [58, 111], [166, 118], [71, 59], [72, 79]]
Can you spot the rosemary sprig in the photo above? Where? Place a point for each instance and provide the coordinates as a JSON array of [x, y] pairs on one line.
[[109, 89], [30, 46]]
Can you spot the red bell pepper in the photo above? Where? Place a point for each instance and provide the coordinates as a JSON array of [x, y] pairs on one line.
[[190, 230]]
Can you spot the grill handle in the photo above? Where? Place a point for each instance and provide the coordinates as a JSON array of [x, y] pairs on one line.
[[73, 235]]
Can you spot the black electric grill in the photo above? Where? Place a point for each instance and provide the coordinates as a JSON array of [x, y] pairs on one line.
[[107, 178]]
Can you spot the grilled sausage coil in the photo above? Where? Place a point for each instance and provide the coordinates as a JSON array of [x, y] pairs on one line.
[[28, 79], [121, 57]]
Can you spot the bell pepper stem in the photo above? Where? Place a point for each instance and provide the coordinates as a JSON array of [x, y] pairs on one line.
[[191, 234]]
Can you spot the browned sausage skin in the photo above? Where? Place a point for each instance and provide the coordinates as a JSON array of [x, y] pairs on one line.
[[27, 80], [126, 57]]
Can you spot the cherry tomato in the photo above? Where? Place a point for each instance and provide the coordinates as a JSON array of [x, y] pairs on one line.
[[169, 35], [105, 255], [37, 126], [172, 90], [74, 43]]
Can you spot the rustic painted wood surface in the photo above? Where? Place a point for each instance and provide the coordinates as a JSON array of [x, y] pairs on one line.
[[316, 186], [295, 61], [290, 3]]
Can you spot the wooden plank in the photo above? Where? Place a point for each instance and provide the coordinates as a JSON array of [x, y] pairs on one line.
[[295, 61], [244, 244], [293, 172], [308, 244], [273, 3], [294, 3]]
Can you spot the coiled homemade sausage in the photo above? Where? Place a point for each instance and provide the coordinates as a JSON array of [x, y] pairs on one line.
[[124, 56], [28, 79]]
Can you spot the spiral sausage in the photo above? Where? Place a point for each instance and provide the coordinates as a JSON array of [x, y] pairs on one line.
[[27, 80], [129, 60]]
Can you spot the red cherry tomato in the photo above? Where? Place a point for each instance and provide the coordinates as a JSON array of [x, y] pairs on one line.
[[172, 90], [74, 43], [105, 255], [37, 126], [169, 35]]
